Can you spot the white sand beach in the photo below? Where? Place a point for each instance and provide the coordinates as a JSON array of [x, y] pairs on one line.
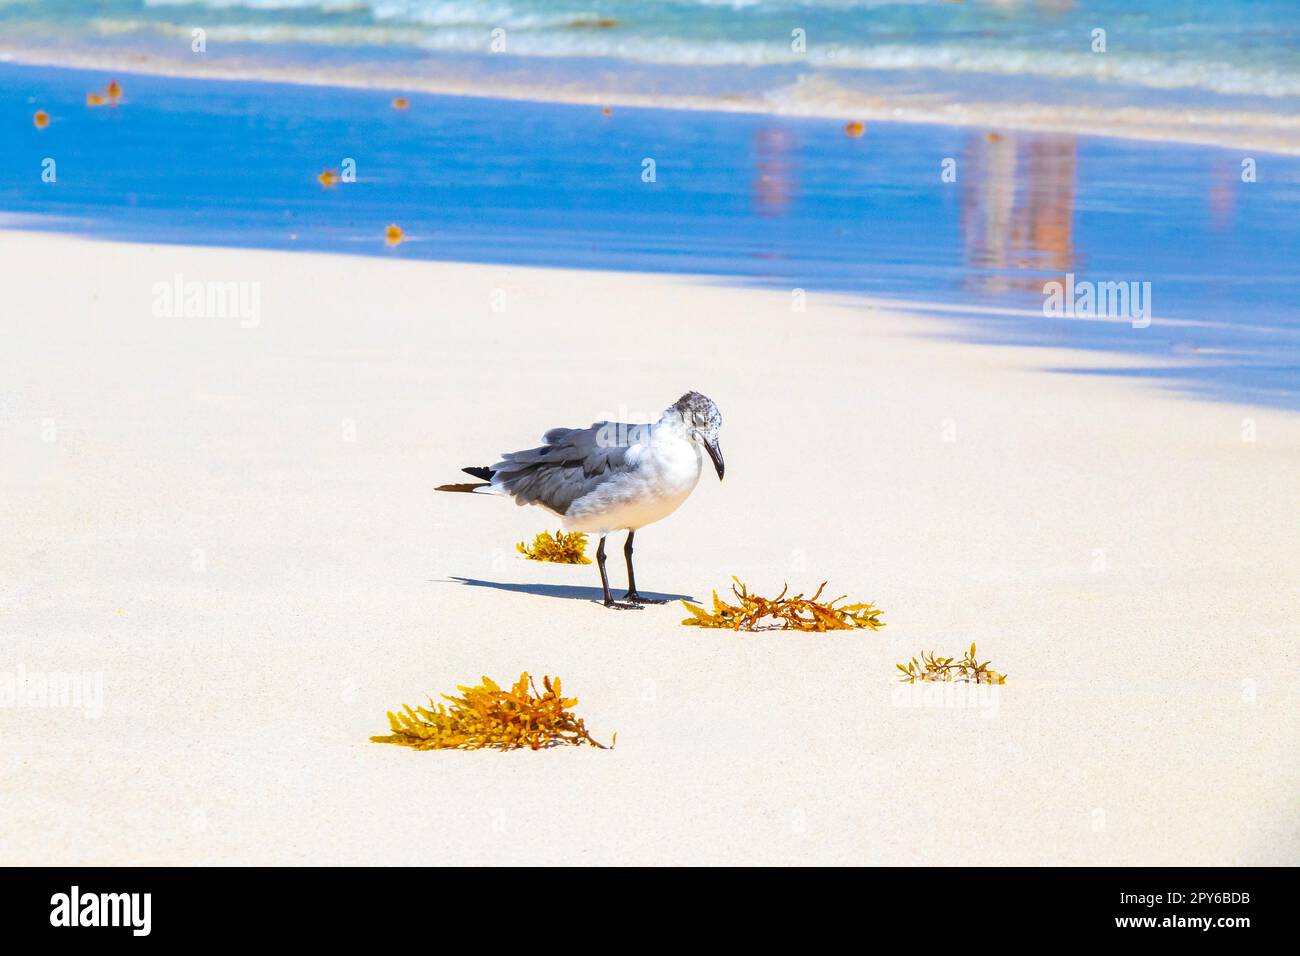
[[235, 529]]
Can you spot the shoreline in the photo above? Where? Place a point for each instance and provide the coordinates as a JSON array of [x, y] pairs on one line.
[[768, 202], [1137, 124]]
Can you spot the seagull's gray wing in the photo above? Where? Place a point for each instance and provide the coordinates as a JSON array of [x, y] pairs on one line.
[[572, 463]]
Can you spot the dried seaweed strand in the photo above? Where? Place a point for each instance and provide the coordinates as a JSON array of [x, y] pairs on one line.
[[931, 668], [797, 613]]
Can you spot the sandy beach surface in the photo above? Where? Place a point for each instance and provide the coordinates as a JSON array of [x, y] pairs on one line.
[[232, 525]]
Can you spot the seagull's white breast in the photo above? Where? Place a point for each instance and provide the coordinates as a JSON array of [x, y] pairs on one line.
[[659, 474]]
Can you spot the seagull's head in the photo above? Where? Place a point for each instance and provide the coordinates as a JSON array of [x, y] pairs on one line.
[[703, 423]]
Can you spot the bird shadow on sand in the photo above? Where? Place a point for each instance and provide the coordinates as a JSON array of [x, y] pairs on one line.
[[568, 591]]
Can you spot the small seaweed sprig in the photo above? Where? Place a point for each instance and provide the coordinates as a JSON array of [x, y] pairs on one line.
[[781, 613], [560, 548], [934, 668], [488, 716]]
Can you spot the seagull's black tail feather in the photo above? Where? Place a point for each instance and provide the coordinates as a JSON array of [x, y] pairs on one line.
[[481, 473]]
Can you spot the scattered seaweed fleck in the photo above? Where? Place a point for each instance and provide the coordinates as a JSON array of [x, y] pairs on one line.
[[486, 716], [782, 613], [934, 668], [109, 97], [559, 548]]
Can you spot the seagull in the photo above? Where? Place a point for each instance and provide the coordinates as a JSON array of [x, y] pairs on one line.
[[611, 477]]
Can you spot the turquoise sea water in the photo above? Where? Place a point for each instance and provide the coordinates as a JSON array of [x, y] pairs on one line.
[[1236, 61]]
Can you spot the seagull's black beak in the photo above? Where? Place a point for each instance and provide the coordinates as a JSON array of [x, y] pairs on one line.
[[716, 454]]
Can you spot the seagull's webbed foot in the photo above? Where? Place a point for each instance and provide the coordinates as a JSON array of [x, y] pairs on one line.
[[620, 606], [638, 599]]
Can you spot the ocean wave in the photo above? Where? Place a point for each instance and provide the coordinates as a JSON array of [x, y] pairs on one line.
[[1194, 80], [467, 28], [421, 7], [810, 96], [327, 6]]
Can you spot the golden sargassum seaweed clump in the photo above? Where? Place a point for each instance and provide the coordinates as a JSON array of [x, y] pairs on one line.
[[487, 716], [781, 613], [559, 548], [934, 668]]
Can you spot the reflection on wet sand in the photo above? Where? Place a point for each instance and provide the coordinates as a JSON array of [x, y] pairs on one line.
[[774, 180], [1017, 210], [1222, 197]]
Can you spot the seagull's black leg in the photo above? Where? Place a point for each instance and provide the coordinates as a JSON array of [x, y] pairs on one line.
[[604, 580], [631, 577]]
